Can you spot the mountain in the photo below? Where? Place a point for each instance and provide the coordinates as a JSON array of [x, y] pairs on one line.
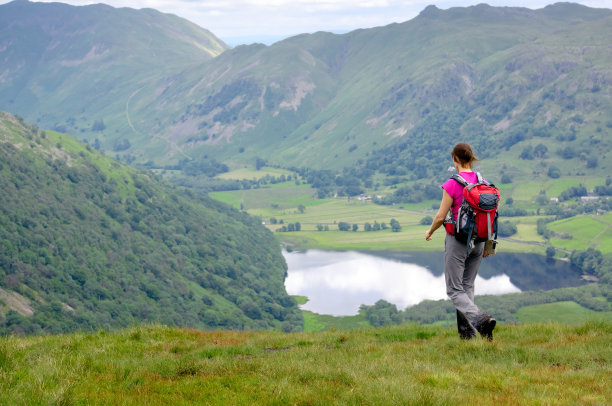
[[77, 67], [391, 99], [88, 243]]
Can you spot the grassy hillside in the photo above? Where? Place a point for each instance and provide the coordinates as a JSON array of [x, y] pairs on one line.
[[88, 243], [390, 99], [76, 69], [397, 97], [529, 364]]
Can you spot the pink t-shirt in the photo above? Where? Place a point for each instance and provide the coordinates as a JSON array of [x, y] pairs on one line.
[[455, 190]]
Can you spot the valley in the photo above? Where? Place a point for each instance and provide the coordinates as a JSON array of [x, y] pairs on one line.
[[319, 141]]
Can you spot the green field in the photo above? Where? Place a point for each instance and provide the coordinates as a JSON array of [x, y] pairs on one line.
[[533, 364], [286, 198], [561, 312], [252, 174], [583, 232]]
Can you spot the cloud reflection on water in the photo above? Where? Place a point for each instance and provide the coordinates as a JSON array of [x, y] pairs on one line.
[[337, 283]]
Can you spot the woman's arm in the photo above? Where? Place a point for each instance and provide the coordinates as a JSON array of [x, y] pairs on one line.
[[445, 205]]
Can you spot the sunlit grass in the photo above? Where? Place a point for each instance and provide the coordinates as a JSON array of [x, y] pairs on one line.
[[562, 312], [583, 232], [408, 364]]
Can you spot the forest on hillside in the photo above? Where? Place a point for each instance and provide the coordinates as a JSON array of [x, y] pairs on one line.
[[87, 243]]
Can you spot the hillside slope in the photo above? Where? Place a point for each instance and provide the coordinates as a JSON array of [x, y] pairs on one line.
[[88, 243], [404, 365], [497, 77], [68, 68], [389, 99]]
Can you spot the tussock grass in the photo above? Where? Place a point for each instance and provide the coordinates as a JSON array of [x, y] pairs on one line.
[[399, 365]]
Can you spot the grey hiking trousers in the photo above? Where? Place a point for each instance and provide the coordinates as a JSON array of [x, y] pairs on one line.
[[460, 270]]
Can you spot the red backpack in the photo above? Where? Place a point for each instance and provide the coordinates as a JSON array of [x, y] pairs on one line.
[[477, 218]]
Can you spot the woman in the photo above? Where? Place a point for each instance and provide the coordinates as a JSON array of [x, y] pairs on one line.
[[461, 266]]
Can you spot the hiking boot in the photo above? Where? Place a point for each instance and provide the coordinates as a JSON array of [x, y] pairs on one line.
[[464, 328], [486, 326]]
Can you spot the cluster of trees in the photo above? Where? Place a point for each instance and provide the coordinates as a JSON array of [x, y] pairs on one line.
[[572, 192], [530, 152], [95, 248], [375, 227], [506, 228], [290, 227], [349, 182], [393, 224], [411, 194], [201, 166]]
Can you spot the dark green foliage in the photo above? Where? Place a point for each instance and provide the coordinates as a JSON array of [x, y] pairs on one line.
[[572, 192], [202, 166], [344, 226], [554, 172], [98, 126], [395, 226], [506, 228], [425, 221], [381, 313], [95, 248]]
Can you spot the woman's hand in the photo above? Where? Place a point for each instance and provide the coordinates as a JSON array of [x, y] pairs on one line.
[[445, 206]]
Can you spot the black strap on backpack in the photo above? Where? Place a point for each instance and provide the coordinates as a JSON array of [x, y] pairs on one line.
[[465, 183]]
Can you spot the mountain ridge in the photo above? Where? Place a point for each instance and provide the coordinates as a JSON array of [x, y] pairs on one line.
[[493, 76]]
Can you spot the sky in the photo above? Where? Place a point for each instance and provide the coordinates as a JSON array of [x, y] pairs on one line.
[[247, 21]]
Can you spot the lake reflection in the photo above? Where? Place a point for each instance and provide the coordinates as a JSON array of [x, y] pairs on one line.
[[337, 283]]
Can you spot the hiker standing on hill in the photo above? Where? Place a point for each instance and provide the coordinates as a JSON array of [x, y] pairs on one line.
[[461, 262]]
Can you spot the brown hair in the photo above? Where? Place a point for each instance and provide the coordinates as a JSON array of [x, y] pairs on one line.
[[464, 154]]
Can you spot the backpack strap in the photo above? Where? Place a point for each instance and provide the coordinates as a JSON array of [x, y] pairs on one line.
[[479, 178], [460, 179]]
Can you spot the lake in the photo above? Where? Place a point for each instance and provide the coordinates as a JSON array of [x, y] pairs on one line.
[[337, 283]]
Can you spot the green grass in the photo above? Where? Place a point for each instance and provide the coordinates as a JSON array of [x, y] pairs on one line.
[[263, 201], [314, 322], [585, 231], [531, 364], [561, 312], [251, 173]]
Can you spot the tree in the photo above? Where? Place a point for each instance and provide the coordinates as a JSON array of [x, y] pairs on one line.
[[540, 150], [550, 252], [355, 227], [506, 229], [259, 163], [592, 162], [367, 227], [527, 153], [344, 226], [98, 126], [301, 208], [425, 221], [395, 226], [554, 172]]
